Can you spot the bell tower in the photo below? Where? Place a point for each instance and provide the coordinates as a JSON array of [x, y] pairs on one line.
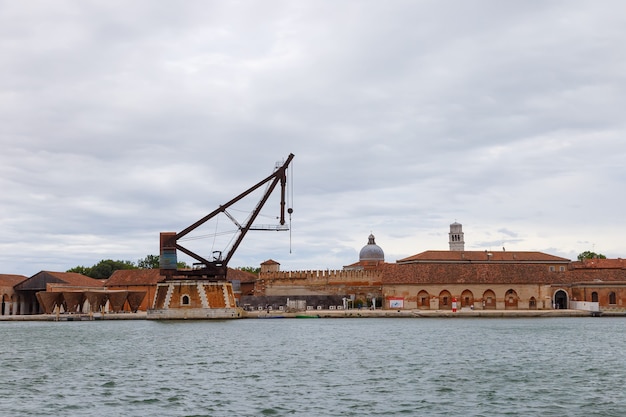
[[456, 239]]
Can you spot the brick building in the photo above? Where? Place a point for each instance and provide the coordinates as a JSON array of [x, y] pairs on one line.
[[57, 282], [441, 280], [10, 300], [600, 280], [430, 280]]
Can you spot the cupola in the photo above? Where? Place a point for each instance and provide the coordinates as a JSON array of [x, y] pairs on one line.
[[371, 251]]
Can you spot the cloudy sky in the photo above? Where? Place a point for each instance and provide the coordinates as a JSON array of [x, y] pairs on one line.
[[123, 119]]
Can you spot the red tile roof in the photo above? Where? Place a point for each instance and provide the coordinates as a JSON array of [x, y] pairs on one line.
[[618, 263], [270, 262], [597, 275], [126, 277], [76, 279], [364, 265], [459, 273], [10, 280], [241, 276], [483, 256], [38, 281], [493, 273]]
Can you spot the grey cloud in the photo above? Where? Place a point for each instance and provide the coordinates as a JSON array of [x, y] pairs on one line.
[[119, 120]]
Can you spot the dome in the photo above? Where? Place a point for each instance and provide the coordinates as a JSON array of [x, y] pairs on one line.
[[371, 251]]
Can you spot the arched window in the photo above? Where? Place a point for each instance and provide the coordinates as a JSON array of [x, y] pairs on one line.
[[489, 300], [423, 300], [510, 299], [532, 303], [594, 297], [612, 298], [185, 300], [445, 300], [467, 299]]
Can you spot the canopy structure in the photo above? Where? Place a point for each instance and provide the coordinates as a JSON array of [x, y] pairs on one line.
[[76, 301]]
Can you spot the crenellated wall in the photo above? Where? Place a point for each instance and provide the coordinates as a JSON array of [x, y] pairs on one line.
[[312, 282]]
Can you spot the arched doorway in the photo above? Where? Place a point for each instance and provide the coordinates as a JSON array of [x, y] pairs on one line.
[[467, 299], [489, 300], [560, 300], [423, 300], [445, 300], [510, 300], [532, 303]]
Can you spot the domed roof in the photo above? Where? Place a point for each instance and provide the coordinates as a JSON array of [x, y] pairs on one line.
[[371, 251]]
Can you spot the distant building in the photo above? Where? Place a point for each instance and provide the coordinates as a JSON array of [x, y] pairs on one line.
[[490, 280], [270, 266], [456, 237], [10, 301], [135, 281], [371, 252], [601, 281], [432, 280], [371, 256], [49, 281], [429, 280]]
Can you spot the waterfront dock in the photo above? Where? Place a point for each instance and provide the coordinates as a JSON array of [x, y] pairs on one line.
[[140, 315], [264, 314], [355, 313]]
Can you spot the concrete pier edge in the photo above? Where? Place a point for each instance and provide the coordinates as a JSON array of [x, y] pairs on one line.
[[334, 314]]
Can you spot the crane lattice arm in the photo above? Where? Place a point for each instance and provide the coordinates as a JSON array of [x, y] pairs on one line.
[[216, 268]]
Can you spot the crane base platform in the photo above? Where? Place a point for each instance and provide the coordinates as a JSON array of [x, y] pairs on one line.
[[195, 300]]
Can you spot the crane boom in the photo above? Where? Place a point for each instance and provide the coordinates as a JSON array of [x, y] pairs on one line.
[[216, 268]]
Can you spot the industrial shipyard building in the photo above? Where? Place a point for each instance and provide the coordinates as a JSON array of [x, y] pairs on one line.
[[437, 280]]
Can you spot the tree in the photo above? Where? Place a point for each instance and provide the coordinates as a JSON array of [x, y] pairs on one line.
[[590, 255], [153, 262], [251, 269], [80, 270], [103, 269], [149, 262]]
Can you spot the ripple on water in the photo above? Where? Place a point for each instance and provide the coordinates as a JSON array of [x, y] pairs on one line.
[[364, 367]]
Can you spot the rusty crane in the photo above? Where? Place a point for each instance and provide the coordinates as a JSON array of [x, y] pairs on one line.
[[215, 269]]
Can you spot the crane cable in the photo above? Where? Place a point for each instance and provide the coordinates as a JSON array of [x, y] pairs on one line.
[[290, 208], [217, 220]]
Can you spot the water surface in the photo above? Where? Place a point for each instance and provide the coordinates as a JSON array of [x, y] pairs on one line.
[[326, 367]]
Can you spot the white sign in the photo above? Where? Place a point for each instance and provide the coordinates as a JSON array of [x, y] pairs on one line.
[[396, 303]]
